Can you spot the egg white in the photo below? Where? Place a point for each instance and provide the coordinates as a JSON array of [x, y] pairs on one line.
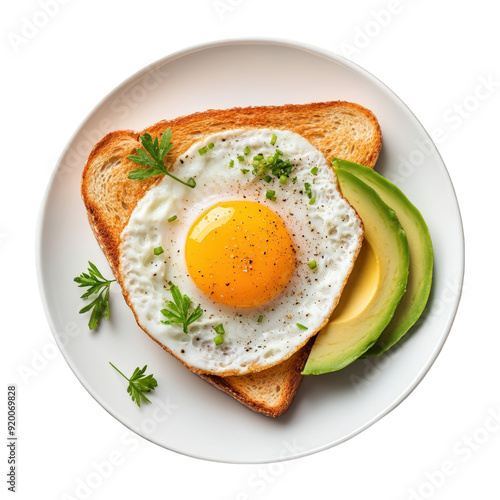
[[328, 231]]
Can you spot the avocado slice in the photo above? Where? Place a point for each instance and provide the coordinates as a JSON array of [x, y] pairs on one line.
[[374, 288], [421, 256]]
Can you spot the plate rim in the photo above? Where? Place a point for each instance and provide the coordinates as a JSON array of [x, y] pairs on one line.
[[313, 50]]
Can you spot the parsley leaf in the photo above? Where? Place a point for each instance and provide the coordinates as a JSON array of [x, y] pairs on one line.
[[178, 311], [152, 157], [139, 384], [96, 283]]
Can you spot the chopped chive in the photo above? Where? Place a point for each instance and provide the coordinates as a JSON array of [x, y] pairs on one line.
[[294, 179], [307, 187], [231, 164], [314, 170], [302, 327], [211, 145], [312, 264], [203, 151], [158, 250], [171, 219], [220, 337], [274, 138], [270, 195], [219, 329], [268, 167], [260, 319]]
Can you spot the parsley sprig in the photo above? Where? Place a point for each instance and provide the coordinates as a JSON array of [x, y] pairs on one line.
[[152, 157], [178, 310], [139, 384], [97, 284]]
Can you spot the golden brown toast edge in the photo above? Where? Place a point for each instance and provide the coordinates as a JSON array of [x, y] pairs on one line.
[[285, 378]]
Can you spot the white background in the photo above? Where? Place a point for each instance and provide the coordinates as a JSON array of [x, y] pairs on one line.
[[440, 57]]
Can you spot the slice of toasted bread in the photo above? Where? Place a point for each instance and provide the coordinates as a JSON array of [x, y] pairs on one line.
[[270, 391], [337, 129]]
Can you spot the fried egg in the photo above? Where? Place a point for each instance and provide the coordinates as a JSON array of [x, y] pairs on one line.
[[266, 259]]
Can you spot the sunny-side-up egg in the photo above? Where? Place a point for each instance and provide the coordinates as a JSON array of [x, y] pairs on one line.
[[269, 267]]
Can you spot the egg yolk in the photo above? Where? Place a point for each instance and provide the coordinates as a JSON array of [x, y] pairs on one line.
[[239, 253]]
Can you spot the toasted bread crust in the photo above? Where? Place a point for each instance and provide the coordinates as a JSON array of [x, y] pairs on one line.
[[337, 129], [281, 380]]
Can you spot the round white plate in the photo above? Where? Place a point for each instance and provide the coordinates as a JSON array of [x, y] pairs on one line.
[[188, 415]]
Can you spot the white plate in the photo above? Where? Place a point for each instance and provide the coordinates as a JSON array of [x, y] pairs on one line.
[[188, 415]]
